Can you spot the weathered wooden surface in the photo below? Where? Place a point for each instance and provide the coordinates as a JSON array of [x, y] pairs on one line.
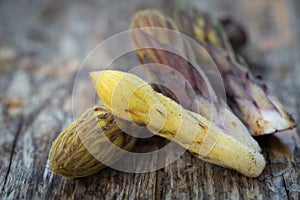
[[38, 59]]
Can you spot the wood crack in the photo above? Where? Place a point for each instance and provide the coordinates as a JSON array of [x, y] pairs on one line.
[[269, 164], [285, 187], [17, 133], [160, 176], [159, 185]]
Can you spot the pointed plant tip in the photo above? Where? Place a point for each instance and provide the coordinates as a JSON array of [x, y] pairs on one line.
[[95, 76]]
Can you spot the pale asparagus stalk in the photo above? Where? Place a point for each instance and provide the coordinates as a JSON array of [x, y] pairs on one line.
[[78, 149], [209, 105], [250, 99], [130, 98]]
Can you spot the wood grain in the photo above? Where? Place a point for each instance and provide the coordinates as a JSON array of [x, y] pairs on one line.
[[37, 71]]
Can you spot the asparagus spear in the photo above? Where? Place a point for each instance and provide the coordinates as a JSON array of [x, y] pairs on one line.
[[132, 99], [209, 105], [249, 98]]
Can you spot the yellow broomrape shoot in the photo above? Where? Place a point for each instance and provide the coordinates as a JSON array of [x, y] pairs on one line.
[[130, 98]]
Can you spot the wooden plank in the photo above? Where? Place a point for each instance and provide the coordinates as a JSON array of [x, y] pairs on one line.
[[36, 104]]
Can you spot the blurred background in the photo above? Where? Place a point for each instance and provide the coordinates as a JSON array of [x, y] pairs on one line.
[[42, 45]]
